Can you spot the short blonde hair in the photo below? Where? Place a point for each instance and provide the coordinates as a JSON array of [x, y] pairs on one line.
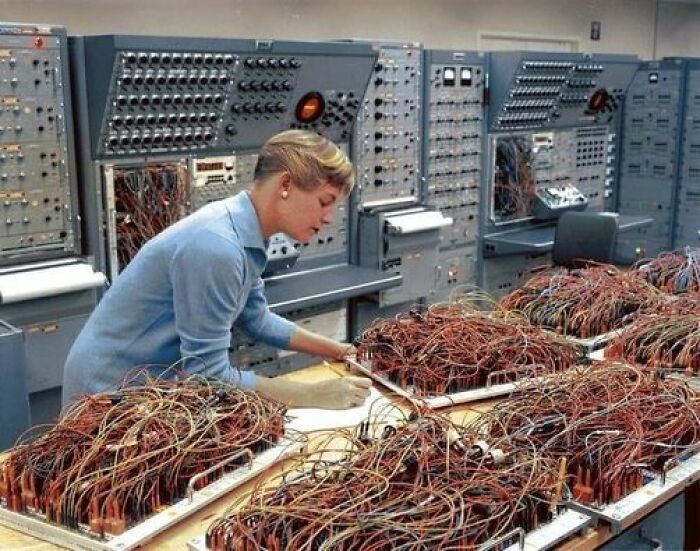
[[310, 159]]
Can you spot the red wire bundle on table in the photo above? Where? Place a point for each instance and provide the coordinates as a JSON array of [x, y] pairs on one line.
[[688, 303], [583, 302], [665, 340], [672, 272], [454, 347], [606, 422], [425, 485], [114, 459]]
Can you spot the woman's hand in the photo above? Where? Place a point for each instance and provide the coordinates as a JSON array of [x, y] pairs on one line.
[[343, 393]]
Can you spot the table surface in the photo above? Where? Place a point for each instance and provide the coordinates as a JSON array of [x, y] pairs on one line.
[[176, 538]]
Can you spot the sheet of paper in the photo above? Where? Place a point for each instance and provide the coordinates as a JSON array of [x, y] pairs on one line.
[[310, 419]]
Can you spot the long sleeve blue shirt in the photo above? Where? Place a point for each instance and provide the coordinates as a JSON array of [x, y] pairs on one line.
[[178, 300]]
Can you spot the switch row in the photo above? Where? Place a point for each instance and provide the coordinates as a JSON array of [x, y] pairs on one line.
[[166, 99], [162, 118], [272, 63], [161, 79], [177, 58]]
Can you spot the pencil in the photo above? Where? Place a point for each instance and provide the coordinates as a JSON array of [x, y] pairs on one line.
[[334, 369]]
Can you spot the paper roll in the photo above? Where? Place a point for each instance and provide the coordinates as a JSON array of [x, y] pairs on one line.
[[418, 222], [46, 282]]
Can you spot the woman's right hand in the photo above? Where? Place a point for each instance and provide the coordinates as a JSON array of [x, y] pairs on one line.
[[343, 393]]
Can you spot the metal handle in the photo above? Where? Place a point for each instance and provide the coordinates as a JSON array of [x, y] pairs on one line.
[[196, 478], [491, 544], [677, 459]]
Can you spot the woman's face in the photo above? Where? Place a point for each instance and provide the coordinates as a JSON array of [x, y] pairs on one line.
[[306, 212]]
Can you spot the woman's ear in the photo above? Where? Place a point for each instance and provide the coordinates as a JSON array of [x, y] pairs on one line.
[[285, 184]]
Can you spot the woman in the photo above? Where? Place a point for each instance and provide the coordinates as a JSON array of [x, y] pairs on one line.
[[181, 294]]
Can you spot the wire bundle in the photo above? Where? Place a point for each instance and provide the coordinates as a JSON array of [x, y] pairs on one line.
[[425, 485], [146, 201], [514, 179], [607, 422], [672, 272], [667, 341], [583, 302], [114, 459], [688, 303], [454, 347]]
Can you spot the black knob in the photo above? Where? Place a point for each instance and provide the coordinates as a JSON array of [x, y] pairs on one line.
[[295, 63], [266, 85], [249, 62], [231, 130], [272, 63], [262, 63], [378, 101], [244, 85], [283, 63], [248, 107], [378, 81], [281, 107], [286, 85], [258, 108], [254, 85]]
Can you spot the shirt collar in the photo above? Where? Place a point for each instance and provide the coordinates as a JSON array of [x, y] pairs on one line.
[[245, 221]]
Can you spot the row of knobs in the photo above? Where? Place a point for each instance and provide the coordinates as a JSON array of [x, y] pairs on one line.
[[22, 175], [176, 99], [264, 85], [259, 108], [272, 63], [172, 118], [178, 58], [172, 79], [157, 139]]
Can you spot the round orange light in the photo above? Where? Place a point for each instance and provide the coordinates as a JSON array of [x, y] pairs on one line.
[[39, 42], [310, 107]]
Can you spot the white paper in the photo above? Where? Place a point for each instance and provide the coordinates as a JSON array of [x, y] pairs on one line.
[[311, 419], [47, 282], [418, 222]]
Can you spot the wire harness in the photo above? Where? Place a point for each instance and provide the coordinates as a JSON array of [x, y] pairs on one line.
[[454, 347], [114, 459], [608, 423], [584, 302], [672, 272], [425, 485]]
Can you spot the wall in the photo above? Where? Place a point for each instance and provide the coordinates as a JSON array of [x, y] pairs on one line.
[[627, 25], [678, 29]]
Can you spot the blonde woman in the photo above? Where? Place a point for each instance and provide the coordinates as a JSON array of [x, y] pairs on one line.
[[179, 297]]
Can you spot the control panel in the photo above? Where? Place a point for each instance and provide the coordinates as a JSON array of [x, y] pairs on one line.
[[403, 242], [687, 225], [455, 272], [541, 174], [651, 129], [160, 95], [532, 90], [386, 144], [453, 140], [38, 195]]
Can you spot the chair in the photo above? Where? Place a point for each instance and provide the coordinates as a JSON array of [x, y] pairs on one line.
[[584, 236]]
